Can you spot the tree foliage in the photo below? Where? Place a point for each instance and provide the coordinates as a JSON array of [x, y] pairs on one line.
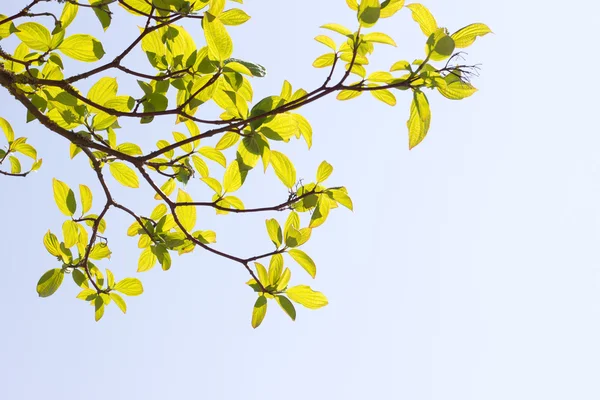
[[189, 73]]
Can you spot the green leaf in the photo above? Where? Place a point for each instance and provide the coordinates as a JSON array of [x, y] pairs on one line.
[[118, 301], [70, 233], [324, 171], [304, 260], [7, 129], [130, 287], [50, 282], [284, 169], [287, 306], [80, 279], [259, 311], [423, 17], [220, 45], [147, 260], [102, 13], [378, 37], [186, 214], [124, 174], [64, 198], [465, 37], [368, 12], [233, 178], [82, 48], [309, 298], [86, 198], [274, 230], [34, 35]]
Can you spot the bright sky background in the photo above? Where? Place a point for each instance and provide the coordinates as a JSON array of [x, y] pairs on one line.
[[469, 269]]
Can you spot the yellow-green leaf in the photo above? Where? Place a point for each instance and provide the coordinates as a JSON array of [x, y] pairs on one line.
[[259, 311], [68, 15], [309, 298], [284, 169], [391, 7], [287, 306], [214, 155], [34, 35], [466, 36], [64, 198], [7, 129], [263, 276], [220, 45], [186, 214], [130, 287], [233, 178], [145, 262], [423, 17], [103, 90], [368, 12], [324, 171], [320, 213], [70, 233], [327, 41], [82, 48], [457, 90], [304, 260], [400, 66], [124, 174], [100, 251], [118, 301], [50, 282], [86, 198], [324, 61], [378, 37], [419, 120], [235, 16], [338, 28], [348, 94], [274, 230], [51, 243], [384, 95]]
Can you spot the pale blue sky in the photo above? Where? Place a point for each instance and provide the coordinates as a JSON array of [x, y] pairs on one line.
[[469, 269]]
